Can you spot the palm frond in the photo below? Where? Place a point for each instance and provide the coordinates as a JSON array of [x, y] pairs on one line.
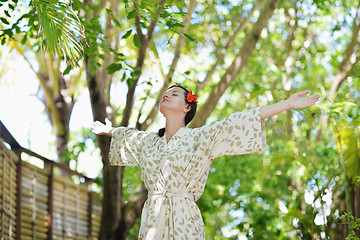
[[61, 29]]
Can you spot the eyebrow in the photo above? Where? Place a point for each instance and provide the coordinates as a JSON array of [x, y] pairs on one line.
[[174, 91]]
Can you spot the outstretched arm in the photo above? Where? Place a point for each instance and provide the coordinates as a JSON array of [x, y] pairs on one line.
[[294, 101]]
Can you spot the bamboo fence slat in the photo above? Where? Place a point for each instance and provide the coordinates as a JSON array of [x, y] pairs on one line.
[[29, 201], [9, 228], [27, 184], [70, 202], [7, 170], [60, 236], [33, 233], [9, 207], [29, 167], [29, 225], [10, 194], [29, 175], [40, 221], [38, 199], [28, 208], [59, 179], [26, 238], [10, 163], [7, 151]]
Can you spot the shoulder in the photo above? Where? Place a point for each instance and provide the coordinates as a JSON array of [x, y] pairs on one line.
[[200, 132], [133, 132]]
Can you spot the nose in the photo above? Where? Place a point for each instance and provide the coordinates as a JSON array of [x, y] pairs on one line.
[[165, 96]]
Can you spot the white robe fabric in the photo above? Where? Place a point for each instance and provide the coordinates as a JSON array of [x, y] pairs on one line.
[[175, 173]]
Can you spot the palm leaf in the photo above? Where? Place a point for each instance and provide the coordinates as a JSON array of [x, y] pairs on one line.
[[61, 29]]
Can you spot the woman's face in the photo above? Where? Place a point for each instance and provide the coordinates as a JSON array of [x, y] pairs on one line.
[[173, 101]]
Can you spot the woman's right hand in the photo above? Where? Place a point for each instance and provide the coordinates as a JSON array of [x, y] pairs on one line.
[[102, 129]]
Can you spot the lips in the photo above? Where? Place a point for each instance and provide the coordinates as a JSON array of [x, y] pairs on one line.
[[165, 100]]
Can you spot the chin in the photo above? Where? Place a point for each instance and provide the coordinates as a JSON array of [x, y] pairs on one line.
[[161, 107], [164, 109]]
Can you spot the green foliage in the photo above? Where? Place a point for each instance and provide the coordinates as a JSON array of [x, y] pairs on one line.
[[53, 23], [297, 169], [78, 143], [61, 28], [10, 26], [348, 137], [354, 225], [282, 192]]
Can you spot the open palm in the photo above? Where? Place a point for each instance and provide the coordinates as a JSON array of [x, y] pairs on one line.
[[102, 129], [298, 101]]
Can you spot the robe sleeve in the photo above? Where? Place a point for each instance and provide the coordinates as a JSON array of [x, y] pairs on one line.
[[125, 146], [239, 133]]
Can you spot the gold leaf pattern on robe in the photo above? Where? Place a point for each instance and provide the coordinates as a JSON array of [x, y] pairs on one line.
[[181, 167]]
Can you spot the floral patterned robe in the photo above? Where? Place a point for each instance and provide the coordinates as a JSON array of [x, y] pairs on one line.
[[175, 173]]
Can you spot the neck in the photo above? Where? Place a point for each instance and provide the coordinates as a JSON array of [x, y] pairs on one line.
[[172, 126]]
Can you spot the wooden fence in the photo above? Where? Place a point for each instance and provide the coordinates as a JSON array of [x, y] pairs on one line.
[[38, 204]]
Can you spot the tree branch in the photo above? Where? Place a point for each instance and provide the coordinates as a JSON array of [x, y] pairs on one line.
[[110, 33], [139, 66], [221, 53], [344, 69], [138, 125], [346, 66], [179, 45], [238, 63], [137, 22], [154, 20], [52, 78]]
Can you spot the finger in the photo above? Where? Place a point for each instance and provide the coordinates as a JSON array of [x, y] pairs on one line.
[[315, 98], [303, 93], [99, 123], [96, 124], [107, 121]]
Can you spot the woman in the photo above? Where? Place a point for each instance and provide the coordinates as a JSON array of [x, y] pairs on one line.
[[175, 162]]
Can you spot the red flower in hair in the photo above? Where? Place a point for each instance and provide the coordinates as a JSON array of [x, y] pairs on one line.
[[191, 97]]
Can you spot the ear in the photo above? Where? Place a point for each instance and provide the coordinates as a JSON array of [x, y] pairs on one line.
[[187, 108]]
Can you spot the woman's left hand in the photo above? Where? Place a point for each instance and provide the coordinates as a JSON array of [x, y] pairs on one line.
[[297, 101]]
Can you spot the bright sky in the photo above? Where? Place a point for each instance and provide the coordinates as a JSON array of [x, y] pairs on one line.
[[23, 114]]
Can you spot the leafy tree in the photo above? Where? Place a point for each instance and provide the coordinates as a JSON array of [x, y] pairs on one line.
[[61, 33], [257, 52]]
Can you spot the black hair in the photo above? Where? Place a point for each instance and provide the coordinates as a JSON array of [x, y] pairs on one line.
[[189, 116]]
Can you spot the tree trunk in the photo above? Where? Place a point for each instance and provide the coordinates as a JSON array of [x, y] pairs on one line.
[[131, 212], [355, 204], [64, 112], [112, 176]]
